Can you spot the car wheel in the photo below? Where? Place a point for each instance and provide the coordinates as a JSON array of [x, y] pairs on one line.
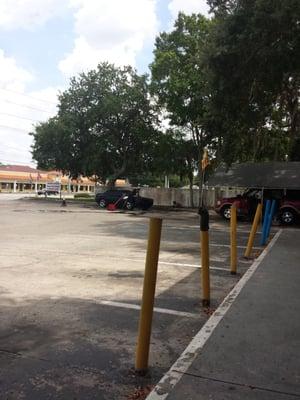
[[226, 212], [102, 203], [287, 217], [129, 205]]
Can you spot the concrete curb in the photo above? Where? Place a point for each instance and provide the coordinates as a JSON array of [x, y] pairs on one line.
[[180, 367]]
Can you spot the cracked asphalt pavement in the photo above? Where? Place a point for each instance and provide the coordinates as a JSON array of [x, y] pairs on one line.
[[70, 290]]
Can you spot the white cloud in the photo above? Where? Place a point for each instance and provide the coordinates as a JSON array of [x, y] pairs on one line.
[[188, 7], [11, 75], [113, 31], [29, 14], [20, 110], [85, 57]]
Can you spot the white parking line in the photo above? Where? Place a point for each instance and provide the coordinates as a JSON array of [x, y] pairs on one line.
[[212, 229], [228, 245], [189, 265], [219, 245], [179, 368], [139, 260], [156, 309], [197, 227], [197, 266]]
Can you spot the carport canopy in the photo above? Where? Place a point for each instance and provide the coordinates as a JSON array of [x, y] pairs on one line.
[[270, 175]]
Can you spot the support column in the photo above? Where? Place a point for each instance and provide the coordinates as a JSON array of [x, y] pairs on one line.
[[167, 182], [15, 186]]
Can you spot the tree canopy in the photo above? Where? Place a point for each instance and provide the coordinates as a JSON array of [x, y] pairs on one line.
[[230, 83], [254, 59], [234, 79], [179, 75], [104, 126]]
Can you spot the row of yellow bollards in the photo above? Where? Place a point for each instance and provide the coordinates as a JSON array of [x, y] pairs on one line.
[[145, 323]]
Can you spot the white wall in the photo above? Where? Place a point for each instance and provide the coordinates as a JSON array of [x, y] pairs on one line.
[[166, 197]]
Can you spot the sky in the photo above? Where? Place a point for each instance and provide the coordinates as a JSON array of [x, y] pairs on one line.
[[45, 42]]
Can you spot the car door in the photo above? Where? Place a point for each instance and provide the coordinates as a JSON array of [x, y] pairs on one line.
[[114, 195]]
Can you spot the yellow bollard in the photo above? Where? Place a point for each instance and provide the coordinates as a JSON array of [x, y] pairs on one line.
[[233, 245], [256, 220], [204, 243], [144, 333]]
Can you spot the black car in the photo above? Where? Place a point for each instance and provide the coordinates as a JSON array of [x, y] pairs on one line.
[[127, 199]]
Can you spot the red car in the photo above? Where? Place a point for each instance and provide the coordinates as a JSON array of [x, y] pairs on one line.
[[288, 204]]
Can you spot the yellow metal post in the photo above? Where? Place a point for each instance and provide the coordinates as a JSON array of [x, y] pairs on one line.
[[204, 243], [256, 220], [233, 245], [144, 333]]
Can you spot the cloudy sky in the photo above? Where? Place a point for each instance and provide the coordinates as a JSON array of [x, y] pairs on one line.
[[44, 42]]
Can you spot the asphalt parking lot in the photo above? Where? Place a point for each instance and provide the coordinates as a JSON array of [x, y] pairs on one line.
[[70, 290]]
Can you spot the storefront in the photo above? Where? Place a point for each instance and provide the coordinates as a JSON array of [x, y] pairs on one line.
[[16, 178]]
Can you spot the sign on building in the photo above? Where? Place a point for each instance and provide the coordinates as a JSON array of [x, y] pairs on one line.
[[53, 187]]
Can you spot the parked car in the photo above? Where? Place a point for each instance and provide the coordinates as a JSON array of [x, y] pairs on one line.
[[127, 199], [288, 204], [47, 192]]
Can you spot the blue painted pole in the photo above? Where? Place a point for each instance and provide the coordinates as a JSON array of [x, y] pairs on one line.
[[270, 218], [265, 223]]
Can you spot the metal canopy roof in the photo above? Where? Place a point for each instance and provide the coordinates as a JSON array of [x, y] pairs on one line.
[[271, 175]]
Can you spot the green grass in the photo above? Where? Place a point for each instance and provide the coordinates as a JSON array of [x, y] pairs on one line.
[[55, 199], [83, 199], [83, 196]]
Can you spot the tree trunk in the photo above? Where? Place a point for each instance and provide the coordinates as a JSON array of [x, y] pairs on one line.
[[191, 191], [111, 183], [117, 173]]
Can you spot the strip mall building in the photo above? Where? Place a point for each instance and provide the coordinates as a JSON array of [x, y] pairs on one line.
[[16, 178]]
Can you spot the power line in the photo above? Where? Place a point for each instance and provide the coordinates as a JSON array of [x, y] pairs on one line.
[[26, 106], [27, 95], [9, 147], [25, 131], [18, 116], [14, 150]]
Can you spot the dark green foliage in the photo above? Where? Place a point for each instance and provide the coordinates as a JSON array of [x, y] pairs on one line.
[[254, 59], [234, 81], [231, 84], [104, 126], [179, 76], [83, 196]]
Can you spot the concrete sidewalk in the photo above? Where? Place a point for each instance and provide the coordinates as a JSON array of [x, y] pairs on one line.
[[252, 349]]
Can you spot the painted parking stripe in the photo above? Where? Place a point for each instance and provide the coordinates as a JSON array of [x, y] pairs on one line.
[[180, 367], [218, 245], [189, 265], [228, 245], [212, 229], [156, 309], [193, 227], [139, 260], [197, 266]]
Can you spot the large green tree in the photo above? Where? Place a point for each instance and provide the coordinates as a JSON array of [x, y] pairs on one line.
[[104, 126], [180, 78], [254, 63]]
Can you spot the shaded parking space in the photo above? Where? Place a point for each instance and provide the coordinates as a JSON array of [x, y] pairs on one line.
[[70, 290]]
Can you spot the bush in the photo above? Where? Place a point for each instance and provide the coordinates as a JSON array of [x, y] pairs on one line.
[[83, 196]]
